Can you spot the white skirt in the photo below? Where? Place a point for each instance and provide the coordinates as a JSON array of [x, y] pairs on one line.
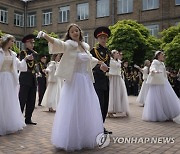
[[161, 103], [50, 98], [118, 98], [78, 118], [143, 93], [11, 117]]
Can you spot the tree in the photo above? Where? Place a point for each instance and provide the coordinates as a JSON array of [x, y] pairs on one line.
[[41, 45], [171, 46], [134, 40]]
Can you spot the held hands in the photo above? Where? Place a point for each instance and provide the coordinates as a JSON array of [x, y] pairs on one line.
[[40, 34], [103, 67], [29, 57], [157, 71]]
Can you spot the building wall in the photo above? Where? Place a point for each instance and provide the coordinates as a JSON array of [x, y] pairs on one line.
[[166, 15]]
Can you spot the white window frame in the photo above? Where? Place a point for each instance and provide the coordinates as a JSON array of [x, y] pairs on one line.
[[47, 18], [146, 4], [31, 20], [4, 15], [64, 14], [19, 44], [83, 11], [19, 19], [86, 37], [177, 2], [102, 8], [153, 29], [128, 6]]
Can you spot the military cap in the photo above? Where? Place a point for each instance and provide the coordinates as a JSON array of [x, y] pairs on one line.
[[28, 37], [102, 31]]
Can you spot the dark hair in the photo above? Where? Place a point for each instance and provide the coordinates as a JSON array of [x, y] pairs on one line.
[[53, 57], [67, 36]]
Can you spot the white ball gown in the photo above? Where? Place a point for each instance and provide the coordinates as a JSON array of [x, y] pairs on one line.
[[11, 118], [78, 118], [118, 98], [144, 88], [52, 93], [161, 102]]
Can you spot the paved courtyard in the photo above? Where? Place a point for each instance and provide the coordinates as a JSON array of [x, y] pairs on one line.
[[146, 137]]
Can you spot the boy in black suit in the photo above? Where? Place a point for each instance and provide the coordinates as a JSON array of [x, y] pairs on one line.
[[27, 80]]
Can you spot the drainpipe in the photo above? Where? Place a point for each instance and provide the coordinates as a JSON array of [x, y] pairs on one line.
[[113, 14]]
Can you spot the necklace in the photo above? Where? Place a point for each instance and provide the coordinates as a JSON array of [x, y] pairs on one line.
[[100, 57]]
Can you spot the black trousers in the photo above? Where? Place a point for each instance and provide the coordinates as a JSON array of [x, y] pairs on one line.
[[103, 96], [41, 88], [27, 97]]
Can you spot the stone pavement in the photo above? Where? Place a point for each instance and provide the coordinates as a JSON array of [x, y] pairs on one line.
[[36, 139]]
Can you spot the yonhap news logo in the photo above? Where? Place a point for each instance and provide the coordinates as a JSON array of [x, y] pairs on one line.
[[144, 140], [103, 140]]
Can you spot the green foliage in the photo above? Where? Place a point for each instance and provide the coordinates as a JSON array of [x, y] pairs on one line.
[[15, 49], [134, 40], [172, 51], [171, 46], [41, 45], [154, 44], [1, 33]]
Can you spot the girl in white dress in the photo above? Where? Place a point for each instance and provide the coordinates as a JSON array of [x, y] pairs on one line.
[[144, 88], [78, 118], [51, 95], [118, 99], [11, 118], [161, 102]]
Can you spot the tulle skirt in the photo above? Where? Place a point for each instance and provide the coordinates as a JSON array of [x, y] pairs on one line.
[[143, 93], [51, 96], [11, 118], [78, 118], [161, 103], [118, 99]]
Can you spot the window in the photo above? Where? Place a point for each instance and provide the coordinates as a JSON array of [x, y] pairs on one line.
[[83, 11], [102, 8], [31, 20], [3, 15], [18, 19], [86, 37], [150, 4], [177, 2], [47, 17], [153, 29], [124, 6], [64, 14], [19, 44]]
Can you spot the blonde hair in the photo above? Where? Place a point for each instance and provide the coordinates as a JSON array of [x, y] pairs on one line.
[[146, 62], [5, 39]]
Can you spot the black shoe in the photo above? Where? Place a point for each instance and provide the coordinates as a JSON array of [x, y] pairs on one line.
[[39, 105], [107, 132], [30, 122]]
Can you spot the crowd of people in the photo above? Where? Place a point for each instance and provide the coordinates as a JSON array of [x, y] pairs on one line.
[[81, 86]]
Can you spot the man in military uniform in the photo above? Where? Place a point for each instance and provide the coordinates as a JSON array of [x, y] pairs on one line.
[[27, 80], [41, 77], [101, 84]]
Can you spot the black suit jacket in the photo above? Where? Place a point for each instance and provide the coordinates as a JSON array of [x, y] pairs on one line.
[[29, 77], [101, 80]]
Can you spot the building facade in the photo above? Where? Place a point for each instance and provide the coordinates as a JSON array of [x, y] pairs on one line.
[[23, 17]]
